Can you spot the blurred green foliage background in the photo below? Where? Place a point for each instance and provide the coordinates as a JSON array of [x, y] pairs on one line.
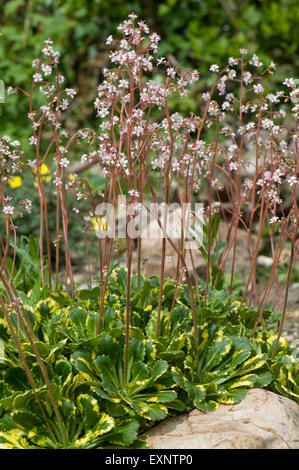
[[194, 33]]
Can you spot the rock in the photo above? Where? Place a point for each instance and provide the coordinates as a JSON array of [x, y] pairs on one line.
[[294, 314], [265, 261], [249, 159], [263, 420], [151, 252], [152, 248]]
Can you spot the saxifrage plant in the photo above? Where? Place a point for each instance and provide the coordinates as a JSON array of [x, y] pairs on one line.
[[133, 348], [98, 408]]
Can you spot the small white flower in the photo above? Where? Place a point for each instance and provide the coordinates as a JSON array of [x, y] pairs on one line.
[[123, 84], [57, 181], [134, 193], [233, 148], [64, 104], [206, 96], [28, 205], [233, 166], [232, 61], [10, 90], [103, 112], [9, 210], [272, 98], [226, 105], [276, 130], [255, 61], [292, 180], [267, 123], [194, 76], [70, 92], [214, 68], [32, 163], [247, 77], [64, 162], [273, 219], [47, 69], [289, 82], [171, 72], [37, 78], [160, 61], [35, 63], [258, 88], [155, 38], [32, 140]]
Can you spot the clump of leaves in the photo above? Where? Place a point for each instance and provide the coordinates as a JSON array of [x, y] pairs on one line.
[[97, 407]]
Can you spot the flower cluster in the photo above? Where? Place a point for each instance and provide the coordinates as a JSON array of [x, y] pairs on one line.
[[11, 156]]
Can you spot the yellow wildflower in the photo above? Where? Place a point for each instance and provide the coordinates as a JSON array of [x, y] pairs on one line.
[[44, 170], [44, 179], [99, 223], [15, 182]]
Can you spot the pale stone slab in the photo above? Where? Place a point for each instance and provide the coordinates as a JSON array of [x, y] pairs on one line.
[[263, 420]]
